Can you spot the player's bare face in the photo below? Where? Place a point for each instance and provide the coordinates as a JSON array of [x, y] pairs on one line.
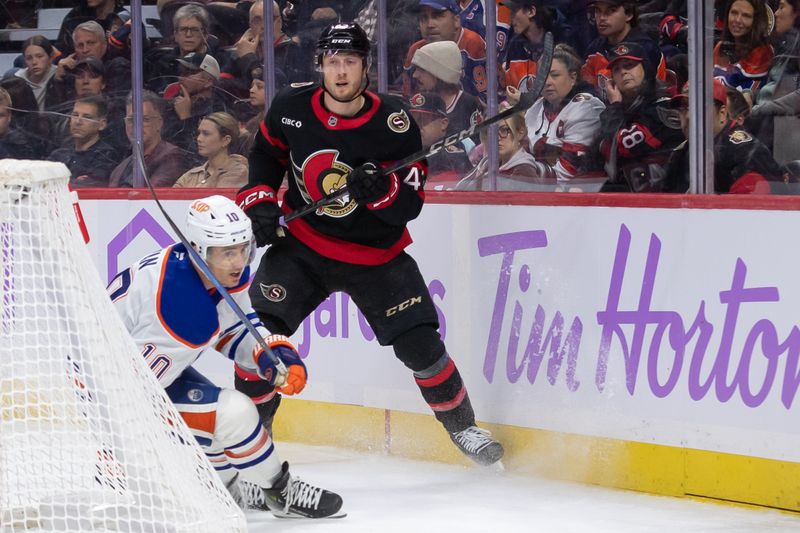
[[612, 21], [343, 75], [628, 76], [559, 83], [227, 263], [740, 18], [437, 25]]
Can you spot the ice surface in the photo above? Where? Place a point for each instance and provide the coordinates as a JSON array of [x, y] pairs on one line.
[[384, 494]]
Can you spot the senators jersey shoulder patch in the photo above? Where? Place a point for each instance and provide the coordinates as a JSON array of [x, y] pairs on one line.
[[740, 137], [398, 122]]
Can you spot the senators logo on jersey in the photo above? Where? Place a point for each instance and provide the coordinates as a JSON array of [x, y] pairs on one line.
[[320, 175]]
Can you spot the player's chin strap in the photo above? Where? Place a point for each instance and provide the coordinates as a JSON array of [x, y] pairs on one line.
[[526, 100], [280, 379]]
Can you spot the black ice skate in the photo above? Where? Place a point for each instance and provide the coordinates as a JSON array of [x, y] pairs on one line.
[[478, 445], [290, 497]]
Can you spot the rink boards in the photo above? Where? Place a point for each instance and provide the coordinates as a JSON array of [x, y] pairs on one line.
[[649, 343]]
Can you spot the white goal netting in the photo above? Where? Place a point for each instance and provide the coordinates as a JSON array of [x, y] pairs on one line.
[[88, 439]]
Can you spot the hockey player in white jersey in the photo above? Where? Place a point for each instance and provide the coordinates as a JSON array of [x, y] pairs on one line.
[[174, 314], [564, 123]]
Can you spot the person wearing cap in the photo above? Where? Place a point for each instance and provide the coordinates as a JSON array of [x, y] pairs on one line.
[[530, 20], [194, 96], [617, 21], [743, 55], [439, 21], [564, 122], [89, 159], [448, 166], [634, 141], [742, 163], [437, 68]]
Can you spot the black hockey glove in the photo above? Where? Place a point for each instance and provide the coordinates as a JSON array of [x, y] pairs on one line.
[[367, 183], [261, 205]]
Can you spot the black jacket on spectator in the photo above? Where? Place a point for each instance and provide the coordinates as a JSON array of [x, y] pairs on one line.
[[635, 145], [741, 161], [18, 144], [89, 168], [78, 15]]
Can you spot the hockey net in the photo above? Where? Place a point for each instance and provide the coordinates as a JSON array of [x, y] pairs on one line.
[[89, 441]]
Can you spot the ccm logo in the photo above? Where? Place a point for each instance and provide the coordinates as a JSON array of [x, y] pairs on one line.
[[403, 306], [291, 122], [257, 196]]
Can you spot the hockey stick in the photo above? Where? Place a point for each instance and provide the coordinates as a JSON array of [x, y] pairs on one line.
[[280, 379], [526, 100]]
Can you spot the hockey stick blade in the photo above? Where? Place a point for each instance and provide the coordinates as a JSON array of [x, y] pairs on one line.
[[526, 100], [280, 379]]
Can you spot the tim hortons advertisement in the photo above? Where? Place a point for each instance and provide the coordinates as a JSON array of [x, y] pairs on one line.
[[668, 326]]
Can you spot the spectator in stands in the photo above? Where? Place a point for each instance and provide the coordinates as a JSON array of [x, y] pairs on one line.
[[634, 141], [783, 77], [39, 72], [564, 123], [89, 159], [198, 75], [89, 39], [530, 20], [742, 164], [617, 21], [472, 15], [743, 56], [164, 162], [191, 23], [517, 171], [437, 68], [439, 21], [216, 134], [289, 67], [448, 166], [26, 117], [14, 142], [100, 11], [257, 103]]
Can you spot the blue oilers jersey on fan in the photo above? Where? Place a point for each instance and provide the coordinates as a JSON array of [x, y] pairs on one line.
[[173, 318]]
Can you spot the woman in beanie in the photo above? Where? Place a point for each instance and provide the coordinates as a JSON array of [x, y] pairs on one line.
[[743, 56], [437, 68], [635, 144]]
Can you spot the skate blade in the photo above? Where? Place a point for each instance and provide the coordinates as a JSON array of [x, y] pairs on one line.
[[297, 516], [497, 467]]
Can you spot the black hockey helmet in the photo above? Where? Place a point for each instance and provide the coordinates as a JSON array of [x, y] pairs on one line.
[[343, 37]]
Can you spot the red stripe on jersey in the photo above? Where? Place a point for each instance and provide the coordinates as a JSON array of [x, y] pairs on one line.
[[245, 375], [345, 251], [573, 147], [335, 122], [439, 378], [571, 170], [274, 141]]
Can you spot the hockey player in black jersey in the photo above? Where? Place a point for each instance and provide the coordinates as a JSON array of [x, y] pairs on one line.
[[327, 135]]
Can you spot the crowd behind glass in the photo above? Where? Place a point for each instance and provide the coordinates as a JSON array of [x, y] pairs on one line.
[[613, 115]]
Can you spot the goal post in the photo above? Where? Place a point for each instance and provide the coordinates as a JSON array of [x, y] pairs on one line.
[[89, 441]]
